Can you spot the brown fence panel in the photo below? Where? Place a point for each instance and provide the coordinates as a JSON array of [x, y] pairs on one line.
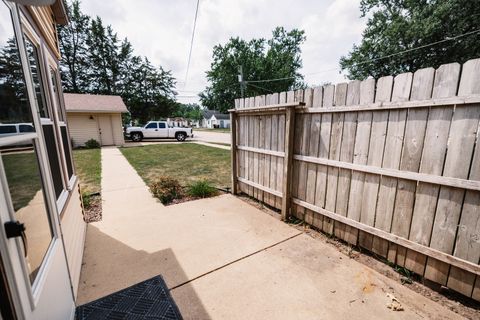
[[391, 165]]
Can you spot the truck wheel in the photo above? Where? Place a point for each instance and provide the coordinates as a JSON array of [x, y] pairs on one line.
[[136, 137], [180, 136]]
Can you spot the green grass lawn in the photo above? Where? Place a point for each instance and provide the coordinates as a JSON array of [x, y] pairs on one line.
[[186, 162], [23, 176], [223, 130], [88, 165]]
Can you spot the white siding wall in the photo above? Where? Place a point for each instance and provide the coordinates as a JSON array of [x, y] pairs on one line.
[[82, 128], [117, 129], [73, 229]]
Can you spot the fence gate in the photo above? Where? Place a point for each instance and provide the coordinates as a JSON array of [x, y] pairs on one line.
[[391, 165]]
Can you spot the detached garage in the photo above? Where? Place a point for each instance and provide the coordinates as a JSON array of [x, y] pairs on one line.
[[98, 117]]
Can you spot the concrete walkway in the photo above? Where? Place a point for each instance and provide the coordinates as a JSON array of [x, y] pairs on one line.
[[224, 259]]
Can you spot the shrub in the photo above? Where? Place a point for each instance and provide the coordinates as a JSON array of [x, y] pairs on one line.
[[166, 189], [202, 189], [86, 199], [92, 144]]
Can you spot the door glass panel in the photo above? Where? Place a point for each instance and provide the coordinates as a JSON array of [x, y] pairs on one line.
[[66, 147], [28, 201], [53, 77], [14, 106], [55, 168], [34, 62]]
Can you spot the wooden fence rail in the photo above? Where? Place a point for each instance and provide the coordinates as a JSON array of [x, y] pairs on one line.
[[391, 165]]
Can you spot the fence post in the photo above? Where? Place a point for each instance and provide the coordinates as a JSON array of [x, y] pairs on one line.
[[288, 161], [233, 148]]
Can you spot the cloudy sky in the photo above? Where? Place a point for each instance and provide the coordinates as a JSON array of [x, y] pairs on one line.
[[162, 29]]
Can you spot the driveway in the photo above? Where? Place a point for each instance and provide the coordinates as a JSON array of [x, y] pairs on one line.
[[211, 136], [225, 259]]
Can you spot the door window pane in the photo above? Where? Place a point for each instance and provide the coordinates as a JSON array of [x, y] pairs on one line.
[[26, 193], [152, 125], [60, 113], [162, 125], [34, 62], [68, 154], [14, 106], [53, 159]]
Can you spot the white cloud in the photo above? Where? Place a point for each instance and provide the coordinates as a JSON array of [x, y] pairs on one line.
[[161, 30]]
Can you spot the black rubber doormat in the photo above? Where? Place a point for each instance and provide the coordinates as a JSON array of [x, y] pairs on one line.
[[149, 299]]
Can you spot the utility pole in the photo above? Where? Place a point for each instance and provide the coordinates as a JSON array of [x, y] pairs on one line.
[[240, 79]]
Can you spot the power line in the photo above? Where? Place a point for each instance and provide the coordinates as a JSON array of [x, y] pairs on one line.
[[191, 41], [258, 87], [376, 59]]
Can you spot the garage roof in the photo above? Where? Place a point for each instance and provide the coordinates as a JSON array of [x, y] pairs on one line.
[[76, 102]]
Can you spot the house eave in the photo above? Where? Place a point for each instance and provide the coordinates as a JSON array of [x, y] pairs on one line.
[[96, 111]]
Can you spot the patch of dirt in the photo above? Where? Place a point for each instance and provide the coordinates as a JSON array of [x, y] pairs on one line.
[[456, 302], [94, 212]]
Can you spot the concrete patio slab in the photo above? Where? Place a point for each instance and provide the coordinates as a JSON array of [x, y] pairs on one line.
[[302, 278], [139, 238], [225, 259]]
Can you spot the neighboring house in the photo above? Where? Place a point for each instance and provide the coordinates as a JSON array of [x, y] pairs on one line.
[[98, 117], [178, 122], [215, 119], [43, 231]]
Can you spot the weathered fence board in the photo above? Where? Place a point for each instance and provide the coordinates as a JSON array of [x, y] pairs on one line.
[[391, 165]]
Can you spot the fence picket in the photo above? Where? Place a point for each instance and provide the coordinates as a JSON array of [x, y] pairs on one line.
[[367, 95], [335, 145], [346, 154], [375, 158], [317, 219], [469, 226]]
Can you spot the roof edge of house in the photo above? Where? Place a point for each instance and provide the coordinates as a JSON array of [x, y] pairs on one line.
[[96, 111]]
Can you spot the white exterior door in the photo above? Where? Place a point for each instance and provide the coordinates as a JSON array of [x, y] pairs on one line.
[[105, 130], [31, 245]]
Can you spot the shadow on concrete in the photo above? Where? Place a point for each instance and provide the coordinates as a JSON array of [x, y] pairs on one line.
[[128, 266]]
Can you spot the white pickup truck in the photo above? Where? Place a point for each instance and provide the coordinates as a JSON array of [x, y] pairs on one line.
[[157, 130]]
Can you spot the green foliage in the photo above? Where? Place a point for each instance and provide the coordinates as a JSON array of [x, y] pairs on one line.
[[166, 189], [189, 111], [95, 60], [278, 57], [86, 200], [92, 144], [202, 189], [399, 25]]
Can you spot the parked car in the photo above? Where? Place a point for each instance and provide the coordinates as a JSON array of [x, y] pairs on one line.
[[15, 128], [158, 130]]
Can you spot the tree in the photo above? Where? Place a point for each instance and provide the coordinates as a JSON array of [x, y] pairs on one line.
[[278, 57], [96, 61], [398, 25], [73, 46], [12, 85], [189, 111]]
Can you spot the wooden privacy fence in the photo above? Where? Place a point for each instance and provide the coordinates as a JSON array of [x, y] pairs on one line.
[[391, 165]]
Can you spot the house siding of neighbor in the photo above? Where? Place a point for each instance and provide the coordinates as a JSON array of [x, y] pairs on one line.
[[215, 119], [40, 267], [96, 117]]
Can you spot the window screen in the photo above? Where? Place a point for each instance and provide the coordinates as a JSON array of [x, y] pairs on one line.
[[33, 60]]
